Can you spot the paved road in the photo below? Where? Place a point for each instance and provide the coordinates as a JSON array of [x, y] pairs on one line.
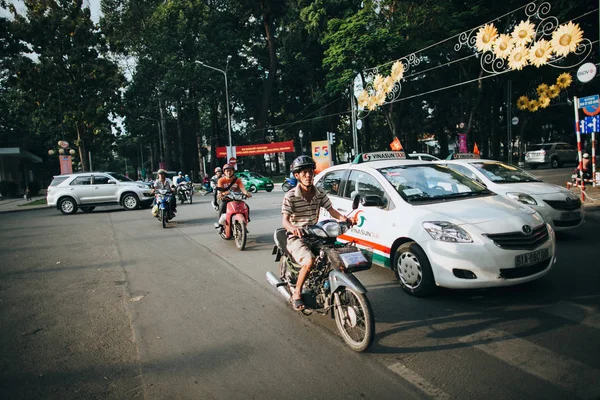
[[110, 305]]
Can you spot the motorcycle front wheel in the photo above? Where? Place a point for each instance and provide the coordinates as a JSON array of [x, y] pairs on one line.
[[163, 217], [191, 198], [286, 187], [239, 234], [354, 319]]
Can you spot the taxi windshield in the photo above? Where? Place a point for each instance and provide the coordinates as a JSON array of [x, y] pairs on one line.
[[431, 183], [503, 173], [254, 175], [120, 178]]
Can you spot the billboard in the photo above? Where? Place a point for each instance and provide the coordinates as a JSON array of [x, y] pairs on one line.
[[321, 153], [257, 149]]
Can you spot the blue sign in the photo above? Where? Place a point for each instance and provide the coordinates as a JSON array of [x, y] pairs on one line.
[[589, 125], [589, 101]]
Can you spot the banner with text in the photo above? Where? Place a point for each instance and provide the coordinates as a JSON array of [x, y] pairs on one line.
[[66, 166], [321, 153], [258, 149]]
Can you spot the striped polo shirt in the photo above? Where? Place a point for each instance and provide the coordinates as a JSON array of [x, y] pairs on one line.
[[301, 211]]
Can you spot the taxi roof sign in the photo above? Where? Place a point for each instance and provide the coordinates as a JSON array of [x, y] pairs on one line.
[[379, 155], [462, 156]]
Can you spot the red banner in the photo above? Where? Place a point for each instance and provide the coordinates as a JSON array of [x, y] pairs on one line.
[[257, 149], [66, 166]]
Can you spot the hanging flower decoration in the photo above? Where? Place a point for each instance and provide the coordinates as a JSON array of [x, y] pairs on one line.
[[397, 71], [544, 101], [520, 47], [564, 80], [553, 91], [380, 97], [542, 90], [485, 37], [523, 103], [566, 38], [518, 57], [381, 87], [378, 83], [503, 46], [362, 99], [523, 33], [540, 53], [545, 94]]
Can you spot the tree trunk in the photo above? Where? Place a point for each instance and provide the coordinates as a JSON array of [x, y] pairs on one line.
[[166, 143], [180, 144], [270, 82], [82, 148]]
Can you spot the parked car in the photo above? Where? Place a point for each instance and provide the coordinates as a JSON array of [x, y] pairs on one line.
[[555, 154], [255, 182], [421, 156], [437, 227], [87, 190], [558, 206]]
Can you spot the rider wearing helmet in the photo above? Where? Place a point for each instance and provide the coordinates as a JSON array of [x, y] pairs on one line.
[[301, 207], [178, 179], [213, 184], [228, 183]]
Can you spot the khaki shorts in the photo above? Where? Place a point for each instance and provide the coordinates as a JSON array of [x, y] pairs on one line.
[[299, 250]]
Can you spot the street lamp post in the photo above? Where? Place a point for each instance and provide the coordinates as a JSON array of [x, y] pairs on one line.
[[226, 93], [301, 135]]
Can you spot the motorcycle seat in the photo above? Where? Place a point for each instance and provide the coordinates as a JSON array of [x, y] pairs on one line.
[[280, 238]]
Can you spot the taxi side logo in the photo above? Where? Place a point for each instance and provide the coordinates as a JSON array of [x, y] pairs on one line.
[[360, 218]]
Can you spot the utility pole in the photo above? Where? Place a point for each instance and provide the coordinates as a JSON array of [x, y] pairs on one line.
[[354, 131], [509, 120]]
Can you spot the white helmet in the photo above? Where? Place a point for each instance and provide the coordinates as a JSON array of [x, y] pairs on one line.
[[586, 155]]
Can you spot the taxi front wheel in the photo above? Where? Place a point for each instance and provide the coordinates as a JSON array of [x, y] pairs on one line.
[[413, 270]]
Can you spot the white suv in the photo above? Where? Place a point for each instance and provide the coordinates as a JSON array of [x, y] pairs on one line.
[[86, 190]]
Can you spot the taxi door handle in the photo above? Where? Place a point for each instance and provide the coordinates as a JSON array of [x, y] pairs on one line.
[[342, 210]]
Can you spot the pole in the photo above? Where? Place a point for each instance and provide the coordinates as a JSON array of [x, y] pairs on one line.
[[594, 158], [578, 134], [227, 102], [90, 158], [509, 120], [354, 131]]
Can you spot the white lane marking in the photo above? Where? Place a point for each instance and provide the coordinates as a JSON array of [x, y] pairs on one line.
[[417, 380], [575, 312], [577, 378]]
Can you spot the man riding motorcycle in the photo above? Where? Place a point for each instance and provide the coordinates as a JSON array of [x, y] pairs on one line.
[[162, 182], [228, 183], [300, 208]]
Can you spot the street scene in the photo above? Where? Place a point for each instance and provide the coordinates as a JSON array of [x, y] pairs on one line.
[[284, 199]]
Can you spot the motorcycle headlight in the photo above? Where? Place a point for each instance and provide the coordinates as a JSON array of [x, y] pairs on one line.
[[332, 229], [447, 232], [522, 198]]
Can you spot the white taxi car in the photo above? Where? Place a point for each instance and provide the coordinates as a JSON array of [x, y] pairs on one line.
[[436, 227], [558, 206]]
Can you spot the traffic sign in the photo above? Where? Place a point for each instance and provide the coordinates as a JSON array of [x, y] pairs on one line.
[[589, 101], [589, 124], [233, 161]]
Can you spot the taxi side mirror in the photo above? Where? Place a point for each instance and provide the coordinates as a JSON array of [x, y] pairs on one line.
[[356, 200], [372, 200]]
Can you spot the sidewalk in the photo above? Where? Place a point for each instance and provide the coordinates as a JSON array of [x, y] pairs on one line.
[[19, 204]]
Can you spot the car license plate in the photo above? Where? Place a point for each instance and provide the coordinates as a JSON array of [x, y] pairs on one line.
[[570, 215], [531, 258]]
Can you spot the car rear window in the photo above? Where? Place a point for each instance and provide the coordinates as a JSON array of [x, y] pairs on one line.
[[58, 180], [537, 147]]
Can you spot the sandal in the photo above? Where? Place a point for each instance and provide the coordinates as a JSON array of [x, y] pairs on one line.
[[297, 304]]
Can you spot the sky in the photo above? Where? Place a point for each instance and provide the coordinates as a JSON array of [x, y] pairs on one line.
[[93, 4]]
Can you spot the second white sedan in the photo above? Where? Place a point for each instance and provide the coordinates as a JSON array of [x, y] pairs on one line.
[[558, 206]]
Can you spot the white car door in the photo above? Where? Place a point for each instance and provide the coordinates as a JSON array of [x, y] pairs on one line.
[[81, 188], [104, 191]]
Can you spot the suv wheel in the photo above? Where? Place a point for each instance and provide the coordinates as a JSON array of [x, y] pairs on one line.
[[67, 206], [555, 163], [130, 201]]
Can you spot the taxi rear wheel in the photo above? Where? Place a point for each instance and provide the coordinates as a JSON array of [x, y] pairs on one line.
[[413, 270]]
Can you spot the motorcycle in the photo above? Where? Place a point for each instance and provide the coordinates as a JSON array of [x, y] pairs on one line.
[[289, 184], [330, 285], [237, 216], [185, 192], [163, 201]]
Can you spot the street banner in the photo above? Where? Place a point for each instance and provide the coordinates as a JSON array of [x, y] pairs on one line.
[[257, 149], [66, 167], [321, 153]]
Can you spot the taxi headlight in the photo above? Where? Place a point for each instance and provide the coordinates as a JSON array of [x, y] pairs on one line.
[[522, 198], [447, 232]]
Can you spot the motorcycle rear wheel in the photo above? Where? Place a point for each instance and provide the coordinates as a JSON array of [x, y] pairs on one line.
[[191, 198], [239, 234], [163, 217], [354, 319]]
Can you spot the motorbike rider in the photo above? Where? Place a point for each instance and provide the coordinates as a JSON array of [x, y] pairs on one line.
[[300, 208], [213, 184], [586, 166], [228, 183], [162, 182]]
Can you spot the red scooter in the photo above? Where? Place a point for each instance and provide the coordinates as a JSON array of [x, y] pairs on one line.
[[237, 216]]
